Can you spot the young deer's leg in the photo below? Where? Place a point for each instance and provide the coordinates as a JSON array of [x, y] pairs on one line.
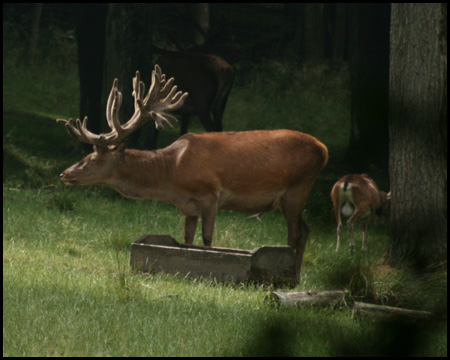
[[357, 215], [351, 231], [366, 231], [364, 239], [338, 229]]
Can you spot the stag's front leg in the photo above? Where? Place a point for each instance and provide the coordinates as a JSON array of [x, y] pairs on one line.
[[190, 226], [208, 220], [208, 211], [364, 239]]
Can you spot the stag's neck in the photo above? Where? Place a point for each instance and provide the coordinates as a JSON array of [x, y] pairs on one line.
[[142, 174]]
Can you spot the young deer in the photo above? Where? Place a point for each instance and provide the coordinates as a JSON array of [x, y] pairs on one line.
[[357, 197], [252, 172]]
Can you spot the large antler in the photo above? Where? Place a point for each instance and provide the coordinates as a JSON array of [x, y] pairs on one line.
[[161, 98]]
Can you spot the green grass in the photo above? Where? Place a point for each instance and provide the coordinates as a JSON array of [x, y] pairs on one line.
[[68, 290], [67, 286]]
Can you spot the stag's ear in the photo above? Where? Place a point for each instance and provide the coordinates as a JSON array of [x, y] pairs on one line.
[[121, 147], [100, 149]]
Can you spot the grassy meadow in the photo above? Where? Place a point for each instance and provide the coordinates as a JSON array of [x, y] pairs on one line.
[[67, 286]]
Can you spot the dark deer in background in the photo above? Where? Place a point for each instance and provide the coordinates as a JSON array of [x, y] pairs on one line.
[[250, 172], [208, 80], [357, 197]]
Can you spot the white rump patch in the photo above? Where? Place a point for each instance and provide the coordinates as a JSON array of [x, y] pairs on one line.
[[347, 209]]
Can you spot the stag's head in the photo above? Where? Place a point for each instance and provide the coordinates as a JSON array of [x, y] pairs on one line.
[[96, 167], [161, 99]]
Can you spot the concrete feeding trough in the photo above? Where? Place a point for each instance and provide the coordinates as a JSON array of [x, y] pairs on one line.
[[265, 264]]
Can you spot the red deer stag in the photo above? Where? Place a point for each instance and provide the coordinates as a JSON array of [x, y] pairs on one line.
[[208, 80], [253, 171], [357, 197]]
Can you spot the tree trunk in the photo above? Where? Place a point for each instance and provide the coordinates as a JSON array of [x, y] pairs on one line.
[[418, 133], [340, 32], [369, 79], [90, 33], [34, 34], [314, 31], [201, 19], [128, 48]]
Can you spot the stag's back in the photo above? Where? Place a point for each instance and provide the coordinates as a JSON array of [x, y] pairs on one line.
[[252, 164]]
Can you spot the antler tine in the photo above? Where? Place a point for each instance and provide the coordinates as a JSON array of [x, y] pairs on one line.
[[80, 132], [138, 88], [114, 122], [73, 131], [162, 97], [153, 91], [110, 105], [167, 87]]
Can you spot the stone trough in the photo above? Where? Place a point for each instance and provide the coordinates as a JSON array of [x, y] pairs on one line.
[[264, 264]]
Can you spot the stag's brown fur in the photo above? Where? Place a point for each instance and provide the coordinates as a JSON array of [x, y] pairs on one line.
[[252, 172]]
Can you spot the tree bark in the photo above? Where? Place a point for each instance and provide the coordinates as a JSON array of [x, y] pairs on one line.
[[340, 32], [314, 31], [128, 48], [34, 34], [418, 133], [90, 33]]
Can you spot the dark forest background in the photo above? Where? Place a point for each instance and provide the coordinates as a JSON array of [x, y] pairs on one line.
[[115, 40]]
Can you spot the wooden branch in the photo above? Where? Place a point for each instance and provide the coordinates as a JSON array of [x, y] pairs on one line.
[[319, 298], [363, 310], [360, 310]]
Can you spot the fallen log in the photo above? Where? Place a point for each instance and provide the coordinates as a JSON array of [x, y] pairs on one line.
[[316, 298], [381, 312]]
